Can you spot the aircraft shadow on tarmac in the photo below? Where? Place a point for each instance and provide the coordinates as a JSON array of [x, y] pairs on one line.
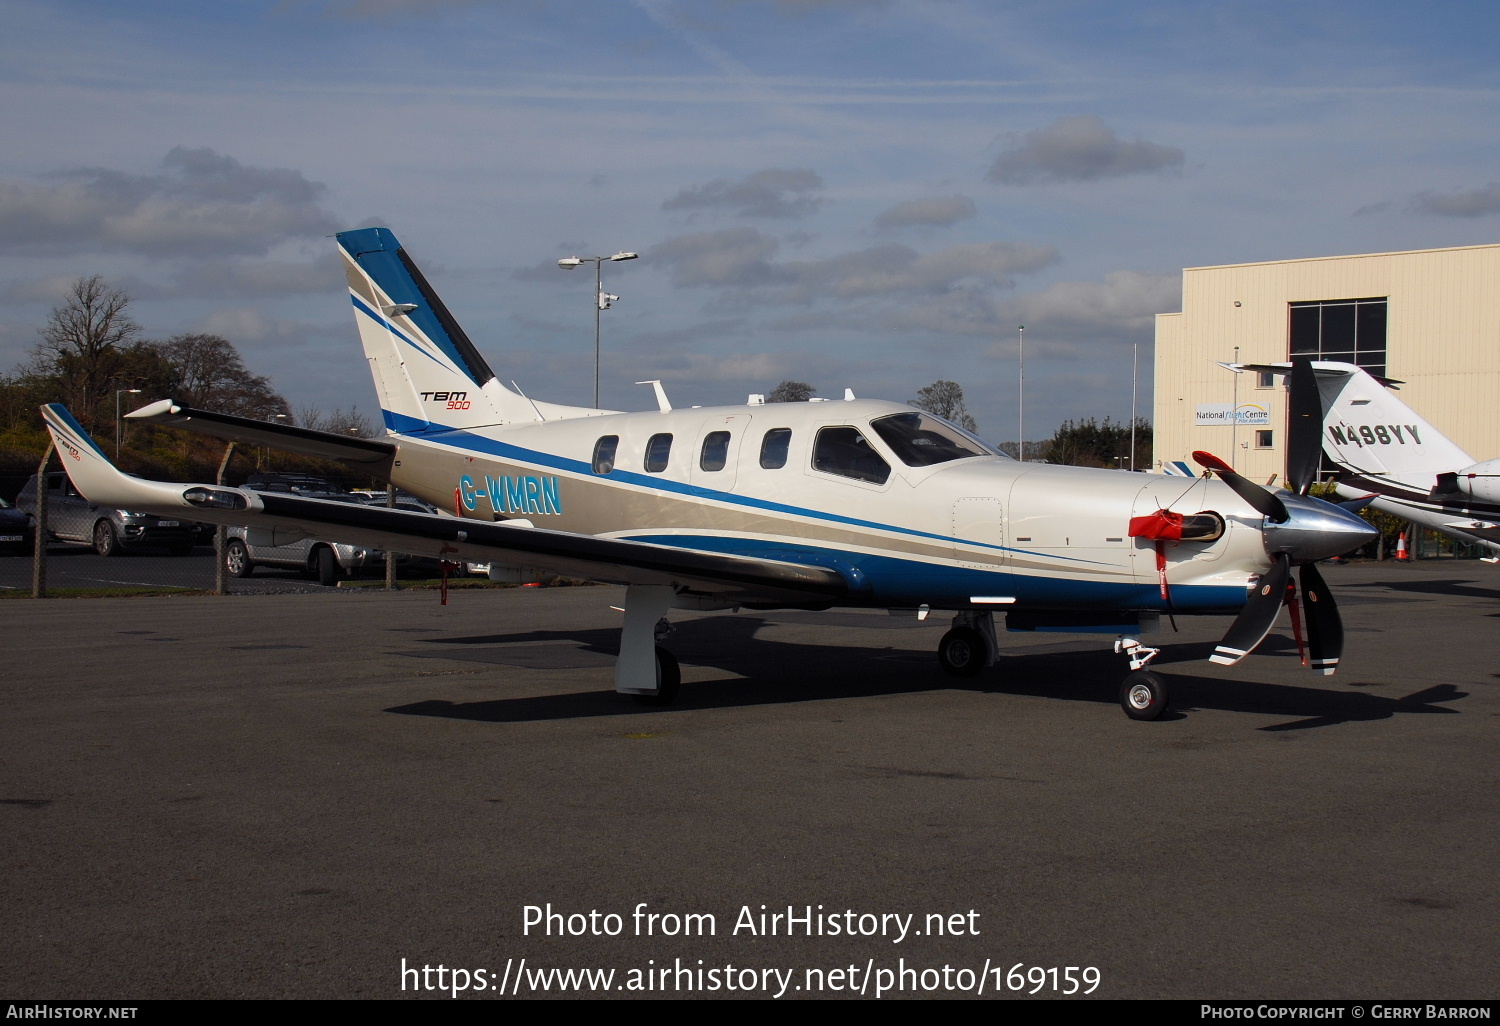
[[1461, 588], [1076, 671]]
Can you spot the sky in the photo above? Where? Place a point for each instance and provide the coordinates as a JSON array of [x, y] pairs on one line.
[[865, 194]]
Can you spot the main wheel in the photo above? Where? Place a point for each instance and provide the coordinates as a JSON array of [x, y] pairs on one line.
[[106, 542], [668, 680], [1143, 695], [963, 652], [329, 570], [237, 559]]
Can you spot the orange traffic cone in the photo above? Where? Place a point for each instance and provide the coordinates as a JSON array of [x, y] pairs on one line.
[[1401, 548]]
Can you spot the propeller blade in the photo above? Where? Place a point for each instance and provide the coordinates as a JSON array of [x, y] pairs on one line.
[[1325, 628], [1265, 503], [1258, 617], [1304, 448]]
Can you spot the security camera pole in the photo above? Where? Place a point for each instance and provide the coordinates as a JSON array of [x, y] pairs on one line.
[[603, 299]]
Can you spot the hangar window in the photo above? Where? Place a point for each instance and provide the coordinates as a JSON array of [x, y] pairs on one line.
[[1346, 330], [715, 451], [1265, 439], [658, 449], [604, 453], [773, 448], [846, 452]]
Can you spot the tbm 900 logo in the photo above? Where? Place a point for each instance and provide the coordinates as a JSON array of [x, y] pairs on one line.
[[455, 400]]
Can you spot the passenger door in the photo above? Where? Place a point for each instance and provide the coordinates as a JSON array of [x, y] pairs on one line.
[[716, 452]]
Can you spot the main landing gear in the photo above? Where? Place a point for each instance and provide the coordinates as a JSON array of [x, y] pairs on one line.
[[1143, 694], [645, 670], [970, 645]]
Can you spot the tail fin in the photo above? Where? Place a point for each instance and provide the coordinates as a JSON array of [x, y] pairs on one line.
[[1369, 431], [429, 376]]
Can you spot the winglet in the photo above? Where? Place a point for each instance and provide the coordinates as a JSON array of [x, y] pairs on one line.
[[96, 478]]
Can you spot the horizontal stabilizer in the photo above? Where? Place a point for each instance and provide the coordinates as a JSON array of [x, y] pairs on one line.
[[609, 560], [302, 441]]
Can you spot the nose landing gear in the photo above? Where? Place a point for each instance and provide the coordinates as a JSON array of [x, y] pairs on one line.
[[1143, 694]]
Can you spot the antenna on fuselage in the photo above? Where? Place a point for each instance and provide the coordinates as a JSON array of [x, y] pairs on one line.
[[661, 395], [528, 398]]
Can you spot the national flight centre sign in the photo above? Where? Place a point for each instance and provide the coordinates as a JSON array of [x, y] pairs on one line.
[[1246, 414]]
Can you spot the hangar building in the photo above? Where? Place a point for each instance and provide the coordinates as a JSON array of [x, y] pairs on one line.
[[1429, 318]]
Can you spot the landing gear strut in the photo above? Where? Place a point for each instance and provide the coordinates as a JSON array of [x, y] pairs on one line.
[[1143, 694], [644, 669]]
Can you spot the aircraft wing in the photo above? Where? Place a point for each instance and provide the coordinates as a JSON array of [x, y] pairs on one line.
[[289, 518], [1479, 530], [373, 455]]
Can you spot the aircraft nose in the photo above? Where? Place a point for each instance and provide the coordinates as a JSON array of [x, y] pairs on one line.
[[1316, 530]]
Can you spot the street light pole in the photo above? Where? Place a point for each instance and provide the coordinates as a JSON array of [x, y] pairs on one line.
[[1135, 356], [602, 299], [1234, 416], [1021, 417], [120, 421]]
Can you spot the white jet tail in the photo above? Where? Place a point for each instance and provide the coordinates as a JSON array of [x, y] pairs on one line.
[[1369, 432]]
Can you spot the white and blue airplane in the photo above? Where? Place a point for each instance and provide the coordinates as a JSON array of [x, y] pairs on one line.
[[852, 503], [1405, 466]]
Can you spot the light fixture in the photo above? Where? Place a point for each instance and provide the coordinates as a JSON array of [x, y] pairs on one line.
[[602, 299]]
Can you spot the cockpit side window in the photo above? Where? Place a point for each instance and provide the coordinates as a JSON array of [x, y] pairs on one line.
[[658, 451], [922, 440], [773, 448], [846, 452], [604, 453]]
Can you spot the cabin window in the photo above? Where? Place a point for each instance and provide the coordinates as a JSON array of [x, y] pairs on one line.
[[715, 451], [921, 440], [658, 450], [847, 453], [773, 448], [604, 453]]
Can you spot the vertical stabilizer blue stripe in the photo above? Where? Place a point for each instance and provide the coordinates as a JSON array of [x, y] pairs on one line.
[[376, 251]]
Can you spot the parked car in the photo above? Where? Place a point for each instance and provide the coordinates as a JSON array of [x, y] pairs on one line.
[[74, 519], [15, 528], [247, 548]]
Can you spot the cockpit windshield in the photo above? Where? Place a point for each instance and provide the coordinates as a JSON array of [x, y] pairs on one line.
[[922, 440]]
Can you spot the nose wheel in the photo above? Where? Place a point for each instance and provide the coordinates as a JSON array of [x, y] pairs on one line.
[[1143, 695]]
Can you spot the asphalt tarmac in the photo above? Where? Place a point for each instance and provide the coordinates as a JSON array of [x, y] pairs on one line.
[[287, 795]]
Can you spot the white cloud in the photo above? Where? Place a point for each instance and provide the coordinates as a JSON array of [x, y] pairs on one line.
[[1079, 149], [1125, 301], [731, 257], [204, 204], [939, 211], [772, 192], [1465, 203], [739, 258]]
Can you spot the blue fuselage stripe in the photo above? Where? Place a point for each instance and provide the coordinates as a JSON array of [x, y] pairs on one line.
[[461, 439], [894, 580]]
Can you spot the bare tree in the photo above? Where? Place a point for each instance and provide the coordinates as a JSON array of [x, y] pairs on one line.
[[946, 399], [214, 377], [339, 422], [82, 341], [791, 392]]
